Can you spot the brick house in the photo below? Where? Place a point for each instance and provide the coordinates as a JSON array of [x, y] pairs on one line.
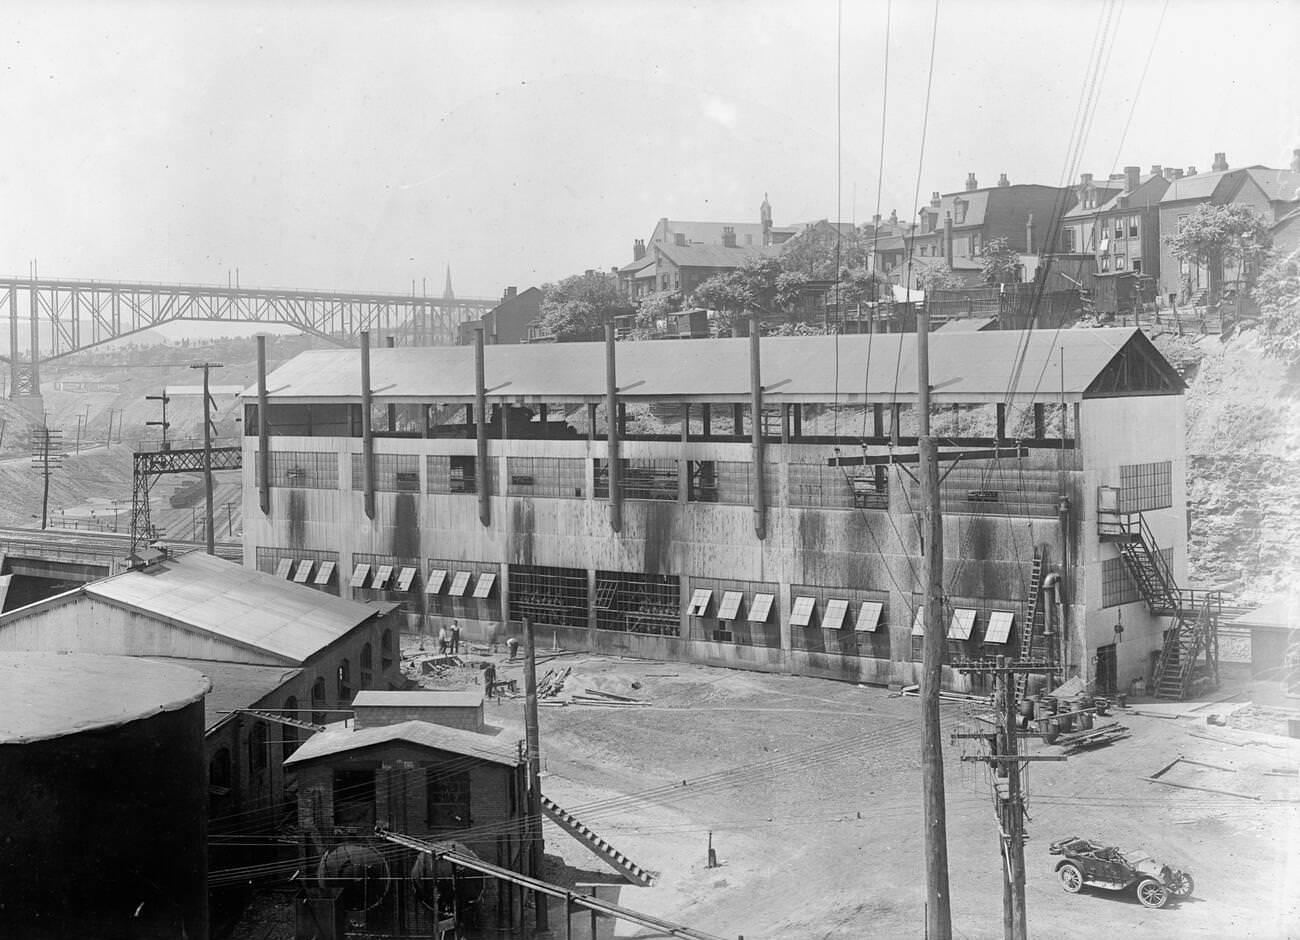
[[508, 321]]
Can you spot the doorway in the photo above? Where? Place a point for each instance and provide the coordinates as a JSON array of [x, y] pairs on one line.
[[1107, 676]]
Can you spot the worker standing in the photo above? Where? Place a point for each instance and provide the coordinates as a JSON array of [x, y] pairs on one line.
[[444, 640], [455, 637]]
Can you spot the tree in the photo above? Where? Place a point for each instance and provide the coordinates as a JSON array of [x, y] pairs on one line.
[[1217, 236], [1277, 294], [1000, 263], [578, 307], [928, 277], [759, 285], [654, 307], [823, 253]]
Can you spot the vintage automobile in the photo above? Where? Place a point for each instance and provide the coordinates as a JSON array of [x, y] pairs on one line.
[[1104, 866]]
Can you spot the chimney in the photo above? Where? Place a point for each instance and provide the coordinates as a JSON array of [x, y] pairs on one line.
[[1115, 176], [1169, 173], [1220, 162], [512, 292], [1178, 173], [971, 182], [1085, 179], [1132, 177], [1029, 234], [1003, 181], [679, 239], [1191, 171], [638, 249], [947, 237], [893, 216], [729, 236], [935, 201], [1157, 170]]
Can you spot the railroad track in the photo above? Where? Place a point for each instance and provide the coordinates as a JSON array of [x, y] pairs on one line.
[[63, 543]]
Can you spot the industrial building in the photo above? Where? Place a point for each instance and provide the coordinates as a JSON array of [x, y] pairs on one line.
[[105, 790], [488, 485], [267, 645]]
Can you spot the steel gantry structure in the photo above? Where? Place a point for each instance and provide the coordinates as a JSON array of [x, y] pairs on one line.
[[151, 464], [64, 315]]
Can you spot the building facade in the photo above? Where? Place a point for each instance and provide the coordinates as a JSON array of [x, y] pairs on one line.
[[720, 545], [507, 322]]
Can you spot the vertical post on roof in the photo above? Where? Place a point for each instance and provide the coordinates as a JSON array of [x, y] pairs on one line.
[[533, 736], [367, 433], [756, 428], [481, 475], [611, 422], [938, 914], [263, 432]]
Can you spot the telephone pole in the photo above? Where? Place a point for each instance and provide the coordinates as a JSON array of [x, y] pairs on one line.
[[534, 748], [210, 534], [1006, 759], [938, 910]]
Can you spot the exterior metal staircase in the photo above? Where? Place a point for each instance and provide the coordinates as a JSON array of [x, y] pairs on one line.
[[1195, 614], [1032, 616], [606, 852]]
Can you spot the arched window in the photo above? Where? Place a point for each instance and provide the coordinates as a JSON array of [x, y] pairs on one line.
[[367, 666], [318, 701], [386, 650], [289, 743], [257, 755], [345, 682]]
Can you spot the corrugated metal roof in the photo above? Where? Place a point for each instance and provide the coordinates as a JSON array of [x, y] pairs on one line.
[[242, 605], [963, 368], [234, 685], [50, 695], [336, 740], [426, 698]]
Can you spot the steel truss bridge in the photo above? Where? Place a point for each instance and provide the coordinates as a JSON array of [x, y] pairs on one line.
[[65, 316]]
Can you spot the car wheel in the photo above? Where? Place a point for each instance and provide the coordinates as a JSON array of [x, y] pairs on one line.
[[1071, 878], [1152, 893], [1183, 885]]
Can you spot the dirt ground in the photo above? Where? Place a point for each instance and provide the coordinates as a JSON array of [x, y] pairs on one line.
[[811, 790]]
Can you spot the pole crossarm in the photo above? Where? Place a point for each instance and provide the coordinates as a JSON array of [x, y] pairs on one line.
[[442, 850]]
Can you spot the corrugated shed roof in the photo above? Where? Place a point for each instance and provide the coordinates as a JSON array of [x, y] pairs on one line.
[[341, 740], [242, 605], [234, 685], [50, 695], [963, 367]]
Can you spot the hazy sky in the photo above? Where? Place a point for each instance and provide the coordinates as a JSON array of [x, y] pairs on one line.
[[364, 145]]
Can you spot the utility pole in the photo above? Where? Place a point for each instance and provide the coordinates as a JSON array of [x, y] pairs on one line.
[[938, 910], [47, 453], [532, 734], [208, 405], [164, 423], [1006, 759]]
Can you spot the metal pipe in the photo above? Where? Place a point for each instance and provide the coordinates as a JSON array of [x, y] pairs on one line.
[[481, 475], [756, 428], [367, 433], [611, 420], [263, 432]]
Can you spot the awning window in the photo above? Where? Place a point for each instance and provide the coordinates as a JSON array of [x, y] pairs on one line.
[[404, 578], [303, 572], [999, 628], [761, 608], [833, 619], [459, 584], [699, 602], [484, 587], [284, 568], [324, 573], [869, 616], [963, 622], [359, 575], [918, 622], [436, 578], [730, 606], [802, 611], [381, 577]]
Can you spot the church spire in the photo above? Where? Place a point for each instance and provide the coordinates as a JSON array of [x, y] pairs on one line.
[[447, 292]]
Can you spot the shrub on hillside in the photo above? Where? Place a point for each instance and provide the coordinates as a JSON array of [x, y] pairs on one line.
[[1277, 294]]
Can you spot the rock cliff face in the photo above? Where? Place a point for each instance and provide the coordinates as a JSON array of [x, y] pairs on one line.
[[1243, 447]]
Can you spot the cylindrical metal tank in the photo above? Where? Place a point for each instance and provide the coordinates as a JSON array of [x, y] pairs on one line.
[[103, 820]]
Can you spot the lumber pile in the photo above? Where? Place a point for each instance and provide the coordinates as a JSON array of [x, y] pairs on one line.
[[552, 684], [602, 699], [1099, 736]]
